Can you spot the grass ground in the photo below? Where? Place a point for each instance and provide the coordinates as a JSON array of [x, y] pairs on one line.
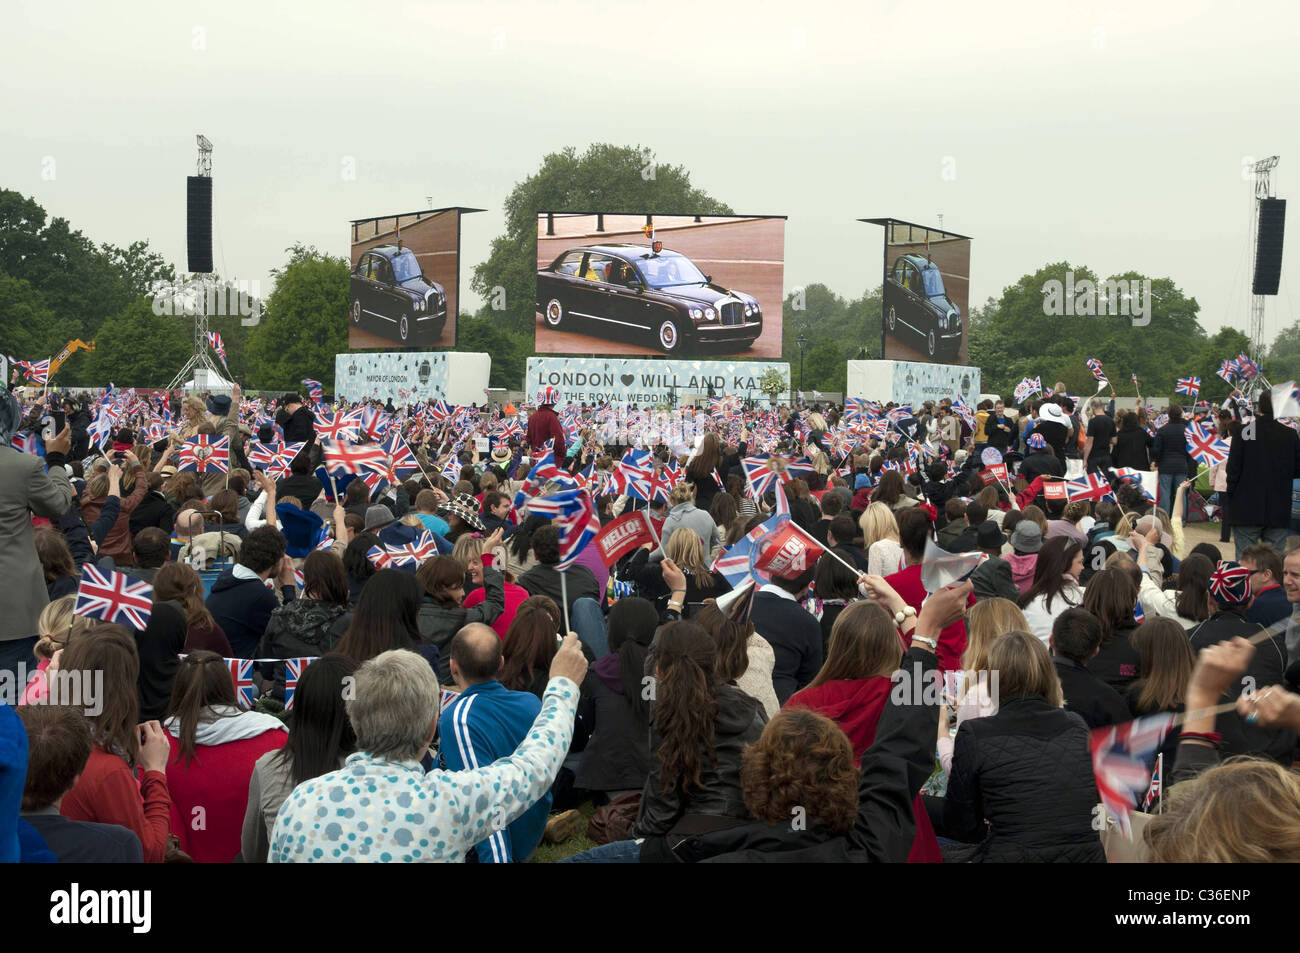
[[550, 853]]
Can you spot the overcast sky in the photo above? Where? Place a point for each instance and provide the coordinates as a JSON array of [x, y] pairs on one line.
[[1113, 137]]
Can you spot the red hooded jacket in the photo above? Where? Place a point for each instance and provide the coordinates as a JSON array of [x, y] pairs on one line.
[[952, 640], [856, 706]]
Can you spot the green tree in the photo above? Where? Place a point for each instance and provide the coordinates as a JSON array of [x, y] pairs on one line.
[[509, 349], [141, 349], [604, 178], [836, 331], [1017, 337], [1283, 360], [303, 324]]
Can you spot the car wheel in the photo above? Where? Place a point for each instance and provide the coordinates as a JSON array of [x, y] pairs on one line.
[[893, 320], [669, 336], [931, 344], [554, 313], [404, 329], [356, 311]]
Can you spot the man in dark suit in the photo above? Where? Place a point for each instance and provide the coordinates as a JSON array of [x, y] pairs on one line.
[[793, 633], [1076, 638], [1268, 601], [58, 746], [1263, 460]]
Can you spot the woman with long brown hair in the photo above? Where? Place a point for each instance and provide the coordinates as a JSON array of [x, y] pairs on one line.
[[702, 471], [528, 650], [180, 582], [700, 728], [1111, 596], [853, 687], [744, 656], [214, 746], [103, 659], [1056, 584]]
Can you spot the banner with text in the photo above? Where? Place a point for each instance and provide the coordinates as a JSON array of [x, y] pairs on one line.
[[595, 380]]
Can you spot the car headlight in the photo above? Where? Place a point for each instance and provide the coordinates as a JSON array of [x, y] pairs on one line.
[[419, 304], [749, 310], [696, 314], [709, 314]]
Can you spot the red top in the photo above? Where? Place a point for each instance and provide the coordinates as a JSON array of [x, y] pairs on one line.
[[856, 706], [544, 425], [210, 794], [952, 640], [515, 596], [107, 793]]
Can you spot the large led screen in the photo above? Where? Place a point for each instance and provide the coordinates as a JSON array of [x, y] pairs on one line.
[[405, 283], [693, 285]]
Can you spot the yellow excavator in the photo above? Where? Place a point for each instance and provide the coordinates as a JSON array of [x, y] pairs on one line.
[[68, 349]]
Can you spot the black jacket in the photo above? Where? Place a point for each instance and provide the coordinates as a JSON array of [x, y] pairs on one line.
[[545, 581], [298, 427], [665, 818], [154, 510], [304, 628], [1260, 471], [1117, 662], [1169, 449], [438, 625], [893, 769], [1132, 449], [1267, 667], [1026, 773], [617, 756], [1041, 463], [796, 640], [650, 581], [1088, 696], [243, 607]]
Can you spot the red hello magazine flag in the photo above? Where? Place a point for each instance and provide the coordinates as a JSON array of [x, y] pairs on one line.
[[624, 535], [1055, 490], [786, 552]]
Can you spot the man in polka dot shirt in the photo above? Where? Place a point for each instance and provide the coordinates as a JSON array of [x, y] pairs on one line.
[[382, 806]]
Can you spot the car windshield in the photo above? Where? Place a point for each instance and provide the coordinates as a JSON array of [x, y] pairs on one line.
[[665, 271], [933, 281], [405, 265]]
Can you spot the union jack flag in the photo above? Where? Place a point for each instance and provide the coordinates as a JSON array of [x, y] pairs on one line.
[[24, 442], [1094, 486], [315, 389], [859, 408], [205, 454], [274, 458], [404, 461], [1098, 374], [375, 422], [1133, 478], [634, 475], [1246, 368], [241, 673], [113, 597], [36, 372], [292, 672], [215, 342], [1122, 756], [573, 514], [440, 410], [736, 562], [343, 458], [763, 469], [415, 553], [1139, 616], [1204, 444], [1153, 792], [1191, 386], [340, 426]]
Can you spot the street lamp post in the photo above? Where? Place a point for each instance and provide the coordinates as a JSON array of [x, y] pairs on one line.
[[802, 341]]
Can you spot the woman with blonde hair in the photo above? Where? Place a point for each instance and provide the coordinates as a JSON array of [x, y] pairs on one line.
[[194, 413], [686, 550], [974, 688], [683, 513], [1038, 806], [880, 539], [56, 625]]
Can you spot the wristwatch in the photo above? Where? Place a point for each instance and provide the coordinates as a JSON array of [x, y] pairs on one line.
[[931, 644]]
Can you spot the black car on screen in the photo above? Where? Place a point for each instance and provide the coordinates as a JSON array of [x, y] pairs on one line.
[[918, 310], [662, 296], [391, 297]]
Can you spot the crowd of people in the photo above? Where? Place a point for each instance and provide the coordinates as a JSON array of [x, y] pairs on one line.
[[502, 686]]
